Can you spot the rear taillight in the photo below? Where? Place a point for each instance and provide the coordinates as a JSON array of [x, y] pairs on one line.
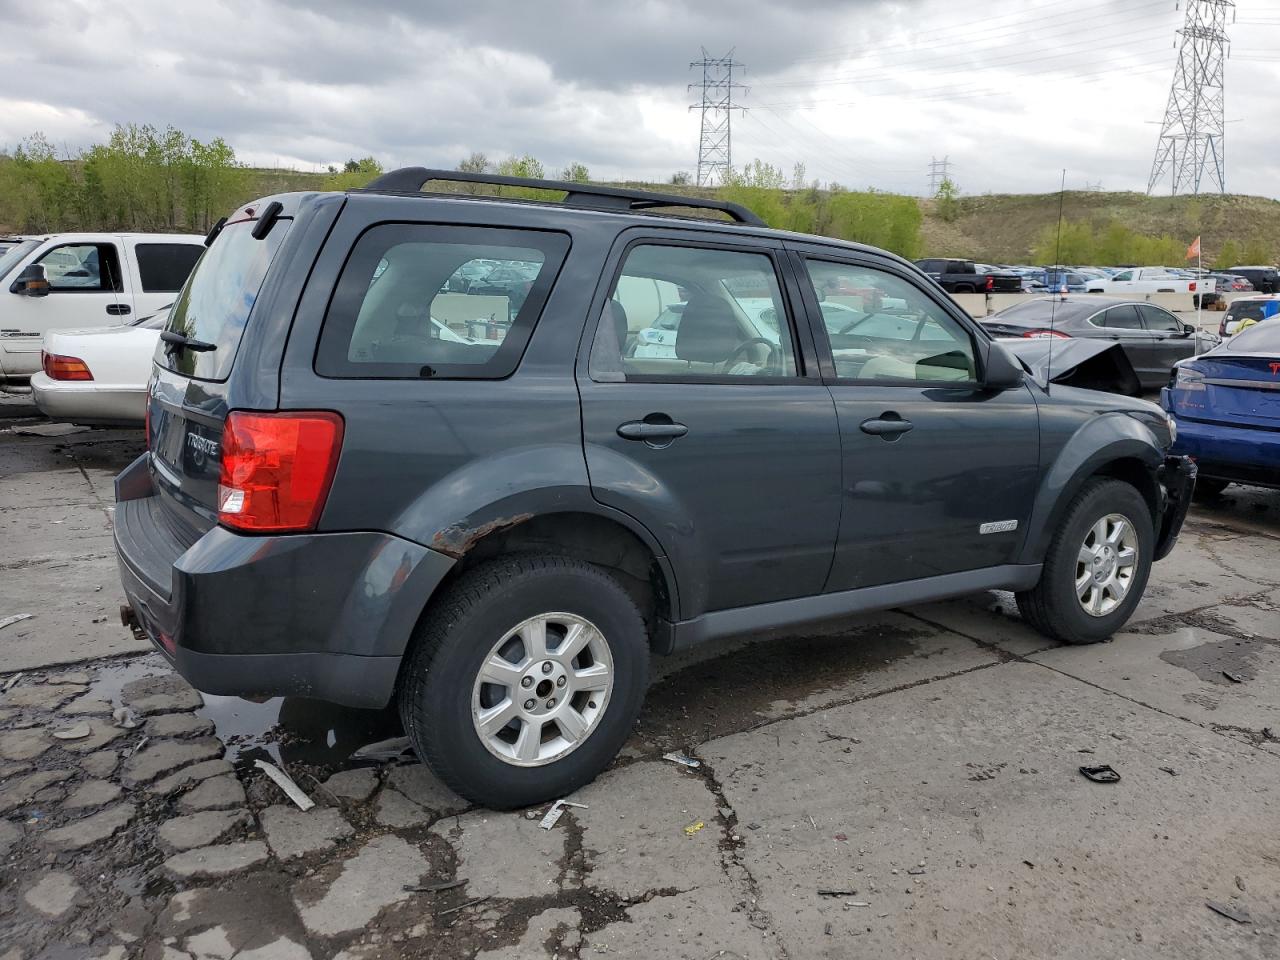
[[58, 367], [1041, 334], [991, 284], [276, 469]]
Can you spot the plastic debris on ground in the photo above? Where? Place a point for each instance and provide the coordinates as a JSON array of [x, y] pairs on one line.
[[1100, 774], [16, 618], [694, 827], [556, 812], [683, 759], [12, 682], [125, 718], [1238, 914], [283, 781]]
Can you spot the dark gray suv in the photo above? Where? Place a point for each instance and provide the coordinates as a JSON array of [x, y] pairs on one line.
[[492, 500]]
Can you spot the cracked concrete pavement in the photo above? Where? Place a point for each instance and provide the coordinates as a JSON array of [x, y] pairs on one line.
[[902, 784]]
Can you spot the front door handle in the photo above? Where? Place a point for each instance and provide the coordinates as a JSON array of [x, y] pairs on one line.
[[640, 430], [888, 428], [118, 309]]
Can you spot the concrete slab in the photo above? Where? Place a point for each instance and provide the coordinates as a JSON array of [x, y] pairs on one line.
[[44, 533], [975, 776]]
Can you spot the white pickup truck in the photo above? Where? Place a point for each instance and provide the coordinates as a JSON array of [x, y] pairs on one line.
[[82, 280], [1149, 280]]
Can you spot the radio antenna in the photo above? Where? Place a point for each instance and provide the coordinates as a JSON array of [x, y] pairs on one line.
[[1057, 264]]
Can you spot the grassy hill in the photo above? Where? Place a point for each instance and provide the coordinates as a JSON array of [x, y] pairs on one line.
[[1002, 228]]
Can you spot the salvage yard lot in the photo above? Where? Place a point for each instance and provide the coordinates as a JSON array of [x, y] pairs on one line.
[[921, 764]]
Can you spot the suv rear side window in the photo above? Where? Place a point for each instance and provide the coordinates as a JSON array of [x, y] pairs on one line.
[[417, 300], [215, 303], [164, 267]]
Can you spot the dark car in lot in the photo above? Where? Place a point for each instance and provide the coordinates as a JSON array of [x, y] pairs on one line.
[[1227, 407], [1264, 279], [965, 276], [1152, 337], [340, 502]]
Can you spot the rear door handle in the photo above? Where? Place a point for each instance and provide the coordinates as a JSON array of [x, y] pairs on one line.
[[889, 429], [639, 430], [118, 309]]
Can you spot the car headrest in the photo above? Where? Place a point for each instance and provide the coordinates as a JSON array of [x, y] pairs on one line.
[[708, 331]]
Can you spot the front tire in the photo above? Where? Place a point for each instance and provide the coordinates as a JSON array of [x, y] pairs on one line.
[[525, 679], [1097, 565]]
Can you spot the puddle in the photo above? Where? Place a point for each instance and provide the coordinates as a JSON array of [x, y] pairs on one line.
[[1208, 661], [291, 730], [285, 730]]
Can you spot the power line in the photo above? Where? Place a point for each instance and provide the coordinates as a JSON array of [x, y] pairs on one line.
[[939, 170], [1193, 132], [715, 142]]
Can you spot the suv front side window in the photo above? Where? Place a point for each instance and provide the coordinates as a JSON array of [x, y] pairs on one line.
[[730, 320], [880, 327], [417, 300], [83, 268]]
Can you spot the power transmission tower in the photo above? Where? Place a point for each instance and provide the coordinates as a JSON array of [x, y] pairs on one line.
[[715, 146], [939, 170], [1191, 141]]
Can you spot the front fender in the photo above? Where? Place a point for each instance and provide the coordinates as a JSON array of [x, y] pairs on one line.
[[1100, 441]]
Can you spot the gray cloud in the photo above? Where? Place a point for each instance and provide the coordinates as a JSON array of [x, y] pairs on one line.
[[860, 92]]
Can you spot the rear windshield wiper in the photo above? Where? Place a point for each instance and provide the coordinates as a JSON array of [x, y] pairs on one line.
[[180, 341]]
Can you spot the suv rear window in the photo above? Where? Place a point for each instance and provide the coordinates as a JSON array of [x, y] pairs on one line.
[[419, 300], [215, 303]]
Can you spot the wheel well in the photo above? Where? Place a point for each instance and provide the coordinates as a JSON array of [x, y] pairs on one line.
[[1138, 475], [595, 539]]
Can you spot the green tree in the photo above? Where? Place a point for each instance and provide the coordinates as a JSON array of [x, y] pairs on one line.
[[355, 174], [475, 163], [1229, 255], [681, 178], [575, 173], [1256, 250], [947, 200]]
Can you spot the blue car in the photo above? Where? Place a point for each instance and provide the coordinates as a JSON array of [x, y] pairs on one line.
[[1226, 404]]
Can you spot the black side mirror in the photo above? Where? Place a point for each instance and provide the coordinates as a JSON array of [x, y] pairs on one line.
[[31, 282], [1002, 372]]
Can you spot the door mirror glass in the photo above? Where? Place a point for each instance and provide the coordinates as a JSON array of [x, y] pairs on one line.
[[1003, 372], [31, 282]]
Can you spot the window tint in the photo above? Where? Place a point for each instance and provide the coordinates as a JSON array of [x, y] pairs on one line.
[[425, 301], [1122, 318], [882, 327], [83, 268], [1125, 275], [1157, 319], [164, 267], [682, 311], [215, 305]]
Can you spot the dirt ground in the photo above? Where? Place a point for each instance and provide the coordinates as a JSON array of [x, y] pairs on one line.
[[906, 784]]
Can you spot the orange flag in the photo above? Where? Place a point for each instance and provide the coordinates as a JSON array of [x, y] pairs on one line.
[[1193, 251]]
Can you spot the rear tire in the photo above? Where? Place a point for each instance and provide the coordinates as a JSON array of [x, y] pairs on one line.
[[1096, 567], [489, 622]]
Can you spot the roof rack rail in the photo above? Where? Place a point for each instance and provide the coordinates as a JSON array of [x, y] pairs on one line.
[[411, 180]]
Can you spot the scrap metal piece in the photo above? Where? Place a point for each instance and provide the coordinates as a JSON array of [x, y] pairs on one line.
[[16, 618], [13, 682], [1100, 774], [824, 892], [683, 759], [392, 749], [433, 887], [283, 781], [1233, 677], [556, 812], [463, 906]]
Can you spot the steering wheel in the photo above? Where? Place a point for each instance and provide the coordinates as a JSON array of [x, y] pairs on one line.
[[771, 361]]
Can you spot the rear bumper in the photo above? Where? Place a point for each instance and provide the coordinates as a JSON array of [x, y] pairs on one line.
[[89, 402], [1177, 479], [320, 615], [1239, 454]]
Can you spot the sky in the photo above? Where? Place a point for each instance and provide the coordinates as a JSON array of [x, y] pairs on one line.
[[861, 92]]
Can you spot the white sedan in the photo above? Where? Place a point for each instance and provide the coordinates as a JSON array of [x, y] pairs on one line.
[[98, 375]]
